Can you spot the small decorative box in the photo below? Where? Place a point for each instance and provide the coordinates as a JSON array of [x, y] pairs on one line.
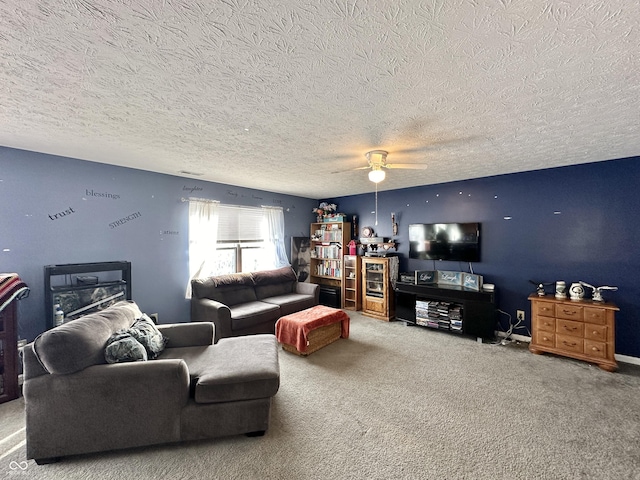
[[472, 282], [336, 218], [408, 277], [449, 278], [426, 277]]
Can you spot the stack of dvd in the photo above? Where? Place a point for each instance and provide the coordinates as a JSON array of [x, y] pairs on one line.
[[443, 316], [434, 314], [422, 312], [455, 318], [440, 315]]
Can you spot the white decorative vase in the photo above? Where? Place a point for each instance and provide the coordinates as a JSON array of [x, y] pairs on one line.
[[561, 289], [576, 291]]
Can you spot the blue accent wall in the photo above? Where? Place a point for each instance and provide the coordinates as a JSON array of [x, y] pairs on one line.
[[572, 223], [56, 210]]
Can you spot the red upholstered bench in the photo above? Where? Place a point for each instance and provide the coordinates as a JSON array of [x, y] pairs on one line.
[[309, 330]]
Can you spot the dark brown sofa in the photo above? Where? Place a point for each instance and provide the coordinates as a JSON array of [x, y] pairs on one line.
[[250, 303]]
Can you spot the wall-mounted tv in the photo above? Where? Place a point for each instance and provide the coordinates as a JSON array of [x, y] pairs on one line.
[[445, 241]]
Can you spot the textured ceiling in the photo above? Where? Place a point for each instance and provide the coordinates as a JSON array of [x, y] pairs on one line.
[[278, 95]]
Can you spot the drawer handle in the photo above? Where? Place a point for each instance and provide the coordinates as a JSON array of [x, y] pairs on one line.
[[569, 329], [595, 332], [546, 339], [595, 349], [573, 344], [569, 312]]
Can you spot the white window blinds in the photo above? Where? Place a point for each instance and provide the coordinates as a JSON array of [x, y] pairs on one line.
[[240, 223]]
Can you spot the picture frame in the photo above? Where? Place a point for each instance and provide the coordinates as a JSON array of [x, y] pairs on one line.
[[301, 258]]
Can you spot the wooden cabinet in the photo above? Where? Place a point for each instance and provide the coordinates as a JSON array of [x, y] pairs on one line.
[[352, 283], [327, 241], [8, 354], [581, 329], [378, 299]]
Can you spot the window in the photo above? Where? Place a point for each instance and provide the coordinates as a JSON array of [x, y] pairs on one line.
[[228, 238], [242, 241]]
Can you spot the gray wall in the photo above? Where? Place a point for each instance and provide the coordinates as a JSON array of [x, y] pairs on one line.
[[56, 210]]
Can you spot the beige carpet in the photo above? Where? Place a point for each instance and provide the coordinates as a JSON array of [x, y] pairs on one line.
[[400, 402]]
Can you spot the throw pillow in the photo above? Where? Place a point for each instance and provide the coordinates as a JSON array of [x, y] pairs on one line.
[[146, 332], [122, 347]]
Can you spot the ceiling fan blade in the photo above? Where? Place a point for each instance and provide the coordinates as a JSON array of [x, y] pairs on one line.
[[407, 166], [351, 169]]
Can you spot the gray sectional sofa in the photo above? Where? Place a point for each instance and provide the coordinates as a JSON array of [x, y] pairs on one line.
[[250, 303], [78, 403]]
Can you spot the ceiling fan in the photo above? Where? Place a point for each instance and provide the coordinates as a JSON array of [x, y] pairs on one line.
[[377, 163]]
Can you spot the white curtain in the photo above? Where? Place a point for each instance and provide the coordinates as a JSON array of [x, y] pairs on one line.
[[275, 236], [203, 235]]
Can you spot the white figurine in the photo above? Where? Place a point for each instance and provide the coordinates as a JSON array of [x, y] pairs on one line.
[[597, 291]]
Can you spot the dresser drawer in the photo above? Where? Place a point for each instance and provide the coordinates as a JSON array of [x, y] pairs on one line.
[[570, 312], [569, 327], [546, 339], [595, 349], [546, 309], [546, 323], [595, 315], [569, 343], [595, 332]]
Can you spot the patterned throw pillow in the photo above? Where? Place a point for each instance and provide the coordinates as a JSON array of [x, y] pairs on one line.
[[146, 332], [122, 347]]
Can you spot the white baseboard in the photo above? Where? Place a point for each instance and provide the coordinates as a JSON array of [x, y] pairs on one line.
[[619, 358], [515, 336], [627, 359]]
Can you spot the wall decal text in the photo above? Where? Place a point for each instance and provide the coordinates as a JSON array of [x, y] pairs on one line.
[[91, 193], [124, 220], [192, 189], [57, 216]]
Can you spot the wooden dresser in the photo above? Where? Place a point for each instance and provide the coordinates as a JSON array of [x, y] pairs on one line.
[[581, 329]]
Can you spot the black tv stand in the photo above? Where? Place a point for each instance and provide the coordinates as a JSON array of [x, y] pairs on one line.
[[479, 310]]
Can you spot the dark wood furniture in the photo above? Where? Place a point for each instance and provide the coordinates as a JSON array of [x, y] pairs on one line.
[[9, 389], [478, 308]]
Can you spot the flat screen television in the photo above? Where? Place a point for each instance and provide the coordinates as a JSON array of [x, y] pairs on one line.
[[445, 241]]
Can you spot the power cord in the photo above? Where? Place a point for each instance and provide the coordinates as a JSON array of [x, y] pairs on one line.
[[507, 338]]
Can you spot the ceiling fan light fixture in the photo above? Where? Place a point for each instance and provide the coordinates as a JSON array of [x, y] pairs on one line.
[[376, 175], [376, 157]]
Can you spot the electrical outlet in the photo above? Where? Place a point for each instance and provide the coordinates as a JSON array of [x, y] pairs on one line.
[[520, 315]]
